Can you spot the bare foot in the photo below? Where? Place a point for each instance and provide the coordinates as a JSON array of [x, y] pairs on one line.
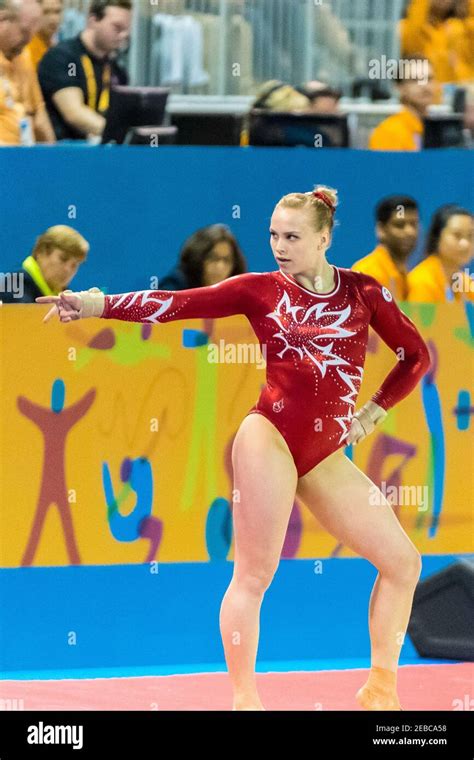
[[247, 704], [370, 699]]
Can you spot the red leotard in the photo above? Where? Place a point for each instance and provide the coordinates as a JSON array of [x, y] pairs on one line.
[[315, 347]]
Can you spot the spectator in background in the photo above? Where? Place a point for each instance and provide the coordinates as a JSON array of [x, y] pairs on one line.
[[210, 255], [397, 225], [442, 275], [276, 96], [322, 97], [439, 30], [76, 75], [46, 36], [464, 10], [404, 130], [53, 263], [23, 117]]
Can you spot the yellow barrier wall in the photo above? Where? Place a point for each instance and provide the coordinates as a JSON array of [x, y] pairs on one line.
[[143, 407]]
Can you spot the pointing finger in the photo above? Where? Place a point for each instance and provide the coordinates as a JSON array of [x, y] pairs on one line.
[[47, 299]]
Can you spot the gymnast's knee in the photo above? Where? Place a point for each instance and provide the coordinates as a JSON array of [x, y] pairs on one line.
[[254, 582], [404, 567]]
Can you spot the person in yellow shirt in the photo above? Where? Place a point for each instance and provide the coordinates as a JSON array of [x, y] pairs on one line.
[[443, 274], [465, 13], [397, 226], [404, 130], [46, 35], [23, 116], [437, 30]]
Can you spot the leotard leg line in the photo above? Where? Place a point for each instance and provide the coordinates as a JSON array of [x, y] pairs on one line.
[[305, 450]]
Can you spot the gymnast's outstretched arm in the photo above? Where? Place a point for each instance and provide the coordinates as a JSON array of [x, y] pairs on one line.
[[235, 295]]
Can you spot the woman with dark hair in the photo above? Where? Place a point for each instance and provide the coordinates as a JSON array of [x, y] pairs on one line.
[[442, 275], [210, 255]]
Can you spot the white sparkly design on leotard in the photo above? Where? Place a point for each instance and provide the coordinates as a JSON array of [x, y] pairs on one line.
[[145, 298], [286, 317], [350, 398], [290, 318]]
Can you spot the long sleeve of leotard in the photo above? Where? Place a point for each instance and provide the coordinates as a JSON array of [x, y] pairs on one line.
[[402, 336], [236, 295]]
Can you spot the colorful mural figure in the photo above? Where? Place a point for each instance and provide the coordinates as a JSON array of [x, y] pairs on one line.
[[137, 476], [55, 424], [202, 444], [437, 451]]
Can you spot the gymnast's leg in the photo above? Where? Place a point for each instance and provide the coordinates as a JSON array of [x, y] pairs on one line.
[[337, 493], [265, 480]]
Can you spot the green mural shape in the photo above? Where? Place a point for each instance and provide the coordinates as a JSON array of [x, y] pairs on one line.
[[203, 437], [464, 334], [130, 349]]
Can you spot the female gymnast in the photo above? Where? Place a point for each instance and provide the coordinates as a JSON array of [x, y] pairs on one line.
[[313, 319]]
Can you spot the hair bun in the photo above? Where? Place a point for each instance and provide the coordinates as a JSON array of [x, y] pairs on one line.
[[327, 195], [321, 195]]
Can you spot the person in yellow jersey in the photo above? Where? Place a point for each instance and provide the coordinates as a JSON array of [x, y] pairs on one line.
[[397, 226], [461, 40], [443, 274], [439, 30], [466, 14], [404, 130], [46, 36], [23, 116]]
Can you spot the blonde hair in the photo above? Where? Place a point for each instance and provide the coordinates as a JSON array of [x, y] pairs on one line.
[[277, 96], [321, 213], [68, 240]]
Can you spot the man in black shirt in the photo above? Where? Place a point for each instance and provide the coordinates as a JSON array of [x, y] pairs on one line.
[[76, 75]]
